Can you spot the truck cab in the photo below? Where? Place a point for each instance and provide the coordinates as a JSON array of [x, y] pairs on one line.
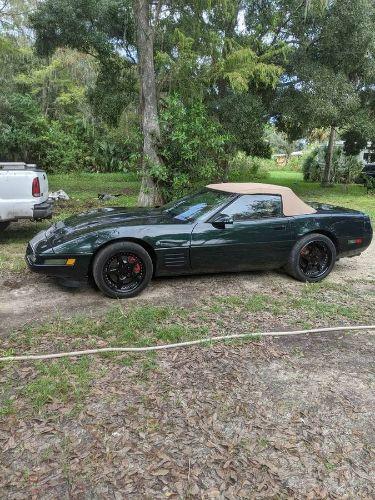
[[23, 193]]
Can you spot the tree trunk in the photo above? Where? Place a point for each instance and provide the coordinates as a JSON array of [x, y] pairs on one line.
[[329, 156], [149, 194]]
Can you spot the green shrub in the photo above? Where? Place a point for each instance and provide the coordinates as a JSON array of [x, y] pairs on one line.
[[266, 165], [295, 163], [244, 116], [192, 146], [244, 168], [58, 151], [67, 144], [345, 169], [312, 166]]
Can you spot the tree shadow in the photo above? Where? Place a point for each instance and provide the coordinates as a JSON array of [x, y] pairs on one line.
[[22, 232]]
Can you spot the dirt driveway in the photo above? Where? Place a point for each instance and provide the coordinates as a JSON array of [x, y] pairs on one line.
[[25, 297], [278, 418], [282, 419]]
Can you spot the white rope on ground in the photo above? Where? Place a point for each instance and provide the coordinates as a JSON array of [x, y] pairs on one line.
[[30, 357]]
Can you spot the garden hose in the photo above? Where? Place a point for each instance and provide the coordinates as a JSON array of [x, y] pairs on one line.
[[208, 340]]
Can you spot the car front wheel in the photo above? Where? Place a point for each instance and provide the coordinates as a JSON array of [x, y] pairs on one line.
[[312, 258], [122, 270]]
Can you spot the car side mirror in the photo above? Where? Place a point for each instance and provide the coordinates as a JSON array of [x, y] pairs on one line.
[[222, 220]]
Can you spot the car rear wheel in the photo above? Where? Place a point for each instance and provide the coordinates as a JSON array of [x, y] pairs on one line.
[[122, 270], [312, 258], [4, 225]]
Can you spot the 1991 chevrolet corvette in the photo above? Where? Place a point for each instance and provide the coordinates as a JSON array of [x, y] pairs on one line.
[[224, 227]]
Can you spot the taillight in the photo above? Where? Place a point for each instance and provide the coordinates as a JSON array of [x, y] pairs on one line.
[[35, 190]]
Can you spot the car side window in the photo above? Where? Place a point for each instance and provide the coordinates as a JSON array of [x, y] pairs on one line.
[[257, 206]]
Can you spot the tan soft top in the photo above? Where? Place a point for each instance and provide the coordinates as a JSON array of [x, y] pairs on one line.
[[292, 205]]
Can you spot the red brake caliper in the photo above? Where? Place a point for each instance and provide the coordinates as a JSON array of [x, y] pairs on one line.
[[137, 266]]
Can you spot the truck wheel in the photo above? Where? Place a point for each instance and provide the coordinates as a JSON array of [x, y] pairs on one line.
[[122, 270], [312, 258], [4, 225]]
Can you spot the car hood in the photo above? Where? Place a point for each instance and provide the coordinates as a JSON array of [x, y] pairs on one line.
[[105, 218]]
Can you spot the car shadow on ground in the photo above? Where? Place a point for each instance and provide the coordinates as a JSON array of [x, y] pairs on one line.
[[193, 280]]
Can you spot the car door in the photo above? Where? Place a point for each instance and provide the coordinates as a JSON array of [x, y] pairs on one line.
[[258, 236]]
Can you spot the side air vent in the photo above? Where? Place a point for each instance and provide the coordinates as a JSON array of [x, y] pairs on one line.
[[175, 259]]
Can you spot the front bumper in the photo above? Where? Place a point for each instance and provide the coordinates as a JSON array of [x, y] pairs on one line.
[[43, 210], [36, 263]]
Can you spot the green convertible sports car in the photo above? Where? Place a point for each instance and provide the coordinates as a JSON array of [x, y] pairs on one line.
[[224, 227]]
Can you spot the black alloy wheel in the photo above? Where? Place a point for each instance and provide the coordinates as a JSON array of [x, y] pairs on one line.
[[122, 269], [312, 258], [315, 259]]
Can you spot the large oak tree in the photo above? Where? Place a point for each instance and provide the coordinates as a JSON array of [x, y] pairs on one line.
[[193, 47], [330, 71]]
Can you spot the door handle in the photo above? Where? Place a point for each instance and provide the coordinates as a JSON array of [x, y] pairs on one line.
[[279, 228]]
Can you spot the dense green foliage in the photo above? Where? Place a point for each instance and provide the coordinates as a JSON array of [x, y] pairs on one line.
[[225, 70], [243, 167], [346, 169], [330, 73], [45, 115], [193, 146], [244, 117]]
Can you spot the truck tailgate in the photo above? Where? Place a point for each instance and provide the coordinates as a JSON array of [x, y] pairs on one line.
[[17, 199]]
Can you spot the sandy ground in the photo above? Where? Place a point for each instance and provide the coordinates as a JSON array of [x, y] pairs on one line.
[[280, 418], [287, 418], [27, 297]]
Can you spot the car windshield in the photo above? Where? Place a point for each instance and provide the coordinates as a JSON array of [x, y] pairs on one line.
[[194, 205]]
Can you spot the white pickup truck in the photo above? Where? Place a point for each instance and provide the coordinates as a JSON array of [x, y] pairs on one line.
[[23, 193]]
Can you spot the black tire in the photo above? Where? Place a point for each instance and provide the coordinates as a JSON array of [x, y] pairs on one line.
[[122, 270], [306, 252], [4, 225]]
